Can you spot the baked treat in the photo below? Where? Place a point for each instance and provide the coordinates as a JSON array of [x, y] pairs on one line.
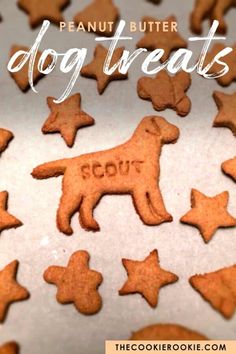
[[66, 118], [43, 10], [218, 288], [226, 116], [77, 283], [99, 11], [165, 91], [7, 221], [21, 77], [146, 278], [168, 41], [229, 59], [9, 348], [130, 168], [10, 290], [166, 332], [208, 213], [229, 168], [94, 69], [211, 9], [5, 137]]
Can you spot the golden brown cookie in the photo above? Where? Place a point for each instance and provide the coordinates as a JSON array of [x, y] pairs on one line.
[[165, 91], [94, 69], [66, 118], [229, 168], [10, 290], [168, 41], [21, 77], [98, 12], [9, 348], [208, 213], [5, 137], [43, 10], [7, 221], [77, 283], [229, 59], [146, 278], [226, 116], [130, 168], [166, 332], [211, 9], [218, 288]]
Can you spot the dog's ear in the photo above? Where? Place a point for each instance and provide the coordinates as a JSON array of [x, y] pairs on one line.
[[169, 132], [152, 127]]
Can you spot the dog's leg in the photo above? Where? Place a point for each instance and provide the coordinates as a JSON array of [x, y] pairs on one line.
[[144, 209], [157, 205], [87, 220], [69, 204]]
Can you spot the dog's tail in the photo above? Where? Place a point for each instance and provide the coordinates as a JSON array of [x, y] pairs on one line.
[[50, 169]]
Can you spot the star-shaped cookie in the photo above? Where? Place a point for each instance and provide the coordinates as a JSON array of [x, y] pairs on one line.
[[146, 278], [66, 118], [219, 289], [10, 290], [213, 10], [21, 77], [5, 137], [101, 13], [7, 221], [9, 348], [94, 69], [227, 110], [229, 59], [208, 213], [165, 91], [77, 283], [168, 41], [43, 10], [229, 168]]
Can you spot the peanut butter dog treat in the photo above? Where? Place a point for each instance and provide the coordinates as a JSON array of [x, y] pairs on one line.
[[94, 69], [10, 290], [9, 348], [208, 213], [7, 221], [165, 91], [5, 137], [166, 332], [130, 168], [77, 283], [169, 40], [229, 59], [227, 111], [229, 168], [43, 10], [66, 118], [99, 11], [21, 77], [219, 289], [213, 10], [146, 278]]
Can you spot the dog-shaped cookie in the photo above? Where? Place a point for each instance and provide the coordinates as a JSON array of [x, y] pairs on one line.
[[130, 168]]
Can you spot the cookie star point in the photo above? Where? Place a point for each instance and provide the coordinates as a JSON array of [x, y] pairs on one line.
[[146, 278], [226, 116], [43, 10], [66, 118], [10, 290], [7, 221], [208, 213]]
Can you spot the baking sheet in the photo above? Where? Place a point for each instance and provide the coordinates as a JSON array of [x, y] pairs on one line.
[[41, 325]]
